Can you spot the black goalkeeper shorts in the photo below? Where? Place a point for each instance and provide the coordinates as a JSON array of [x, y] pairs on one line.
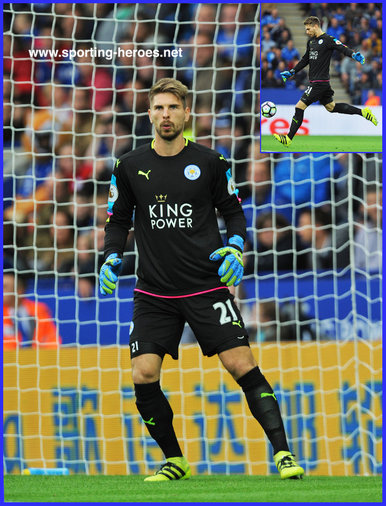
[[158, 323], [315, 92]]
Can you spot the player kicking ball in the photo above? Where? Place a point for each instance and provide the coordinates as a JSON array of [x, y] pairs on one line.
[[184, 271], [318, 55]]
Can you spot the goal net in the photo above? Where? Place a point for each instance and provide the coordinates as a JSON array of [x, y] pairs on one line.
[[76, 78]]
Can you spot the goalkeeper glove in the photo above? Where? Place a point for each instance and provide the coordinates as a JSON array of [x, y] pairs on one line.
[[232, 268], [109, 273], [358, 57], [287, 74]]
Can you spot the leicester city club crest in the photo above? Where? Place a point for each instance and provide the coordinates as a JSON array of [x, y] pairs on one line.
[[192, 172], [113, 195]]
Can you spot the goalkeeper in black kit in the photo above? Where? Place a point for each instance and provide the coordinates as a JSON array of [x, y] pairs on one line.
[[172, 187], [318, 55]]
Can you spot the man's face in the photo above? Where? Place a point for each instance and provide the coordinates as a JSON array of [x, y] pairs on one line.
[[266, 234], [311, 30], [168, 115]]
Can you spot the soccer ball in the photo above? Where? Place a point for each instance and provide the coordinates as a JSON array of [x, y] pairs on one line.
[[268, 109]]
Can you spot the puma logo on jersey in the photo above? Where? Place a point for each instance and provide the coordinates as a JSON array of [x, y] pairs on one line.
[[238, 323], [146, 174]]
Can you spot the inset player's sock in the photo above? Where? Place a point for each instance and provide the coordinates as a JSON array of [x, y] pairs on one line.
[[264, 407], [347, 109], [297, 120], [157, 414]]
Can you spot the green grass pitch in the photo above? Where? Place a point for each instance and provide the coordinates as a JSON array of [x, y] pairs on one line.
[[234, 488], [325, 144]]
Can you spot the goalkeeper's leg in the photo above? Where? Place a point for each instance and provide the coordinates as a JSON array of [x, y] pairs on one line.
[[296, 122], [263, 405], [350, 109], [157, 415]]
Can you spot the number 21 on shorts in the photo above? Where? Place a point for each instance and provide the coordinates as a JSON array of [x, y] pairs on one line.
[[224, 316]]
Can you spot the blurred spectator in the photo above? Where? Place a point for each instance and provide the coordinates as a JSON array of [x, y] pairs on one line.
[[263, 196], [124, 63], [83, 207], [368, 235], [133, 105], [274, 322], [35, 167], [82, 121], [289, 52], [26, 322], [267, 43], [305, 179], [281, 33], [335, 29], [270, 80], [365, 30], [205, 19], [270, 18], [95, 78], [372, 99], [108, 30], [87, 268], [59, 257], [199, 73], [223, 134], [234, 40], [361, 84], [327, 244], [18, 66], [277, 245], [375, 44]]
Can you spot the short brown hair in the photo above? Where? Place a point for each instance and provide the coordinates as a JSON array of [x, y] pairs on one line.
[[312, 20], [169, 85]]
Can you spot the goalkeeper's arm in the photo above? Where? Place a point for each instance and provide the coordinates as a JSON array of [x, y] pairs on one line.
[[121, 203], [115, 240]]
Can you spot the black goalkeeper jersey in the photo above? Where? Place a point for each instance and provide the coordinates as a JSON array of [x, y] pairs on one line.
[[318, 56], [172, 201]]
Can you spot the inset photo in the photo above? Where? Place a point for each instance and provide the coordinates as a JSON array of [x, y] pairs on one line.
[[321, 77]]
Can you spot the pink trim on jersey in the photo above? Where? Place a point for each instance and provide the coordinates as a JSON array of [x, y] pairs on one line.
[[179, 296]]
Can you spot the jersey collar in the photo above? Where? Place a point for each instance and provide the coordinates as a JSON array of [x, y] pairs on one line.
[[153, 141]]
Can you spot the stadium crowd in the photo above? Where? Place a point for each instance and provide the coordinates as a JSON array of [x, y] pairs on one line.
[[65, 122], [358, 25]]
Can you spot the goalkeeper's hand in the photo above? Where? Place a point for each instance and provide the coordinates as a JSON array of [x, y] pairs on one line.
[[287, 74], [109, 273], [358, 57], [231, 269]]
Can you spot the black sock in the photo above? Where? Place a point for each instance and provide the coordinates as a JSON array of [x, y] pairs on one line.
[[158, 417], [347, 109], [264, 407], [297, 120]]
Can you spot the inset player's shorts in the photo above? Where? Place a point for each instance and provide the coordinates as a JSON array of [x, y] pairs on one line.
[[315, 92], [158, 323]]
